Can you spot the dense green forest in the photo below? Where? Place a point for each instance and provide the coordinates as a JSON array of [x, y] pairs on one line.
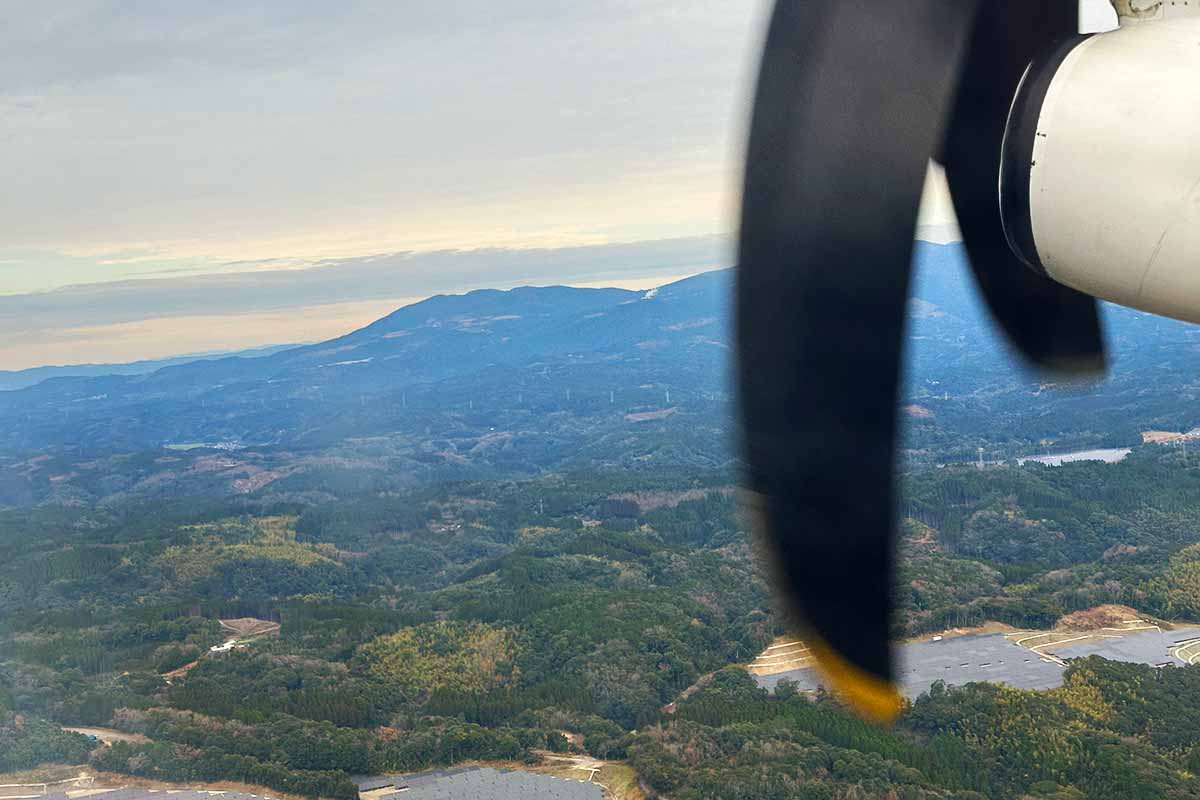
[[1026, 545], [489, 619], [1113, 730]]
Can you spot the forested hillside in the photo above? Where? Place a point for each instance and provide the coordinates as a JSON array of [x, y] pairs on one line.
[[1113, 730], [1026, 545], [492, 619], [503, 524]]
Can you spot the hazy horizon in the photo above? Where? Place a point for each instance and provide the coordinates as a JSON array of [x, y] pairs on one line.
[[182, 179], [158, 338], [155, 338]]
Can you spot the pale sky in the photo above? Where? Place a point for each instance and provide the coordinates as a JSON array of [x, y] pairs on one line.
[[183, 177]]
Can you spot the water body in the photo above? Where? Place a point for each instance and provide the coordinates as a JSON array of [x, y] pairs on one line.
[[1107, 455], [992, 658]]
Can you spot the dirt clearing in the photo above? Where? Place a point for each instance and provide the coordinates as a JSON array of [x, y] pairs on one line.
[[248, 627], [110, 735], [1105, 616]]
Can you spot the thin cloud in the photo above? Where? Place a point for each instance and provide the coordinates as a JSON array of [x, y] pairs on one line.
[[125, 319], [275, 129]]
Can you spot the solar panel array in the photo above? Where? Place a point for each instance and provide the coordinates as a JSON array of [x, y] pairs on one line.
[[461, 783], [1143, 647], [963, 659], [485, 783], [371, 784], [956, 661], [995, 659], [136, 793]]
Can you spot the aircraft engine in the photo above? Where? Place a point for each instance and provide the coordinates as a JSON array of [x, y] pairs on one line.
[[1100, 176]]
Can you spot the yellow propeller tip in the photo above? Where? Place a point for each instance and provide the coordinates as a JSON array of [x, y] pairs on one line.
[[871, 696]]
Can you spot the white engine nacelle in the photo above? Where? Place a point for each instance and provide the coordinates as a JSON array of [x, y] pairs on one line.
[[1100, 184]]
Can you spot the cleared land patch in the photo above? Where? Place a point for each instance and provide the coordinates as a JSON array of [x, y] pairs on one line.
[[249, 627]]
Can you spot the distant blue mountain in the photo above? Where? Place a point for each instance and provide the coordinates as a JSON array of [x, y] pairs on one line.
[[443, 352], [512, 359], [22, 378]]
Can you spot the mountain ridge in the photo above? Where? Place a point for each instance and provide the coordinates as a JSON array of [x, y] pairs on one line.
[[552, 378], [31, 376]]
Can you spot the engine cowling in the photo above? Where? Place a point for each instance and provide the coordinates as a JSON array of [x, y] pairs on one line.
[[1100, 183]]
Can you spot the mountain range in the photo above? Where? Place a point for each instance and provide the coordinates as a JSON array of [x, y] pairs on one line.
[[23, 378], [551, 377]]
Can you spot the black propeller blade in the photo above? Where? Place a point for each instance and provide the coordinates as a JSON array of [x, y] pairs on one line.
[[1053, 326], [851, 103]]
